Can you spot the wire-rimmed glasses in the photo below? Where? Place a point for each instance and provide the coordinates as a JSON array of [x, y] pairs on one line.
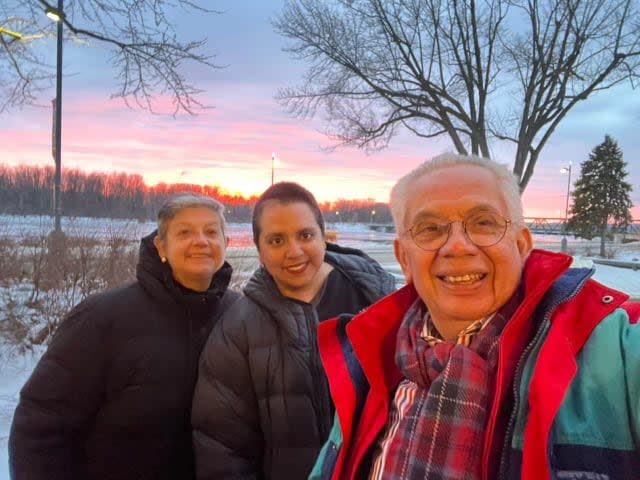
[[483, 229]]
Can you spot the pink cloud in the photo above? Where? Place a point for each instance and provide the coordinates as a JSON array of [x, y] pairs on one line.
[[231, 145]]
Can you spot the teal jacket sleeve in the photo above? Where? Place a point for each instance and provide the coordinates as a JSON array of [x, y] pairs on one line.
[[323, 468], [631, 358]]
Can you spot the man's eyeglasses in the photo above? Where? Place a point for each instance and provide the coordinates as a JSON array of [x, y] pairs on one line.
[[483, 229]]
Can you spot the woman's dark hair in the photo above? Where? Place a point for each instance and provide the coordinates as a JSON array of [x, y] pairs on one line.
[[285, 193]]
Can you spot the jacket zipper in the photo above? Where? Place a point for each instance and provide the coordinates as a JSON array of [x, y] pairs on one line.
[[542, 330], [319, 391], [506, 447], [191, 370]]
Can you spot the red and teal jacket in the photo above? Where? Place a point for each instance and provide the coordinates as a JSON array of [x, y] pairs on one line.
[[573, 347]]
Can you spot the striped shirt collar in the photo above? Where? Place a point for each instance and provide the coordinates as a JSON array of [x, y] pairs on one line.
[[431, 335]]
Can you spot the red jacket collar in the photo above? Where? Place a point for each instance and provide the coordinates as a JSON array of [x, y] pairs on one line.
[[373, 333]]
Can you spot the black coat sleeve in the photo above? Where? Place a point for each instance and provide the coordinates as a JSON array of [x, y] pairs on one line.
[[227, 437], [58, 402]]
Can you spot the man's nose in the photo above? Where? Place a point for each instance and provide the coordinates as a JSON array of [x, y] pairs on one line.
[[457, 240]]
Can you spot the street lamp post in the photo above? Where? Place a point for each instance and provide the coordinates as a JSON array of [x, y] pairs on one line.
[[273, 165], [373, 212], [58, 16], [563, 242]]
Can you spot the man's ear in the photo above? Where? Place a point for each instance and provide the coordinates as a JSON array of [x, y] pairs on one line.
[[158, 244], [524, 242], [402, 257]]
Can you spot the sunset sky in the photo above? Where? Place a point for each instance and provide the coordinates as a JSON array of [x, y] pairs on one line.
[[231, 145]]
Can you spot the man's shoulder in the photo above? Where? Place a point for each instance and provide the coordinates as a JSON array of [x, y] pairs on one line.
[[611, 314], [607, 297], [366, 331], [633, 310], [388, 310]]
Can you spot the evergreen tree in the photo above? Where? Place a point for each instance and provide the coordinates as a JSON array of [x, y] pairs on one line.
[[601, 196]]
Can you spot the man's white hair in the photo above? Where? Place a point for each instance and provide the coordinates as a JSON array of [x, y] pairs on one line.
[[507, 183]]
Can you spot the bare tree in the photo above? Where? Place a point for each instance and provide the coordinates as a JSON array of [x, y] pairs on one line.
[[148, 56], [474, 71]]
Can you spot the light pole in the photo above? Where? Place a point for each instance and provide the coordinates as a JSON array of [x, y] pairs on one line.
[[373, 212], [58, 16], [274, 162], [563, 242]]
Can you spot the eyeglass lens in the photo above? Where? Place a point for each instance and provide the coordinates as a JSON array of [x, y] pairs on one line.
[[483, 229]]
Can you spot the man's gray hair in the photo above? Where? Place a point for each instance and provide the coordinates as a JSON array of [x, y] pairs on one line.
[[507, 183], [175, 204]]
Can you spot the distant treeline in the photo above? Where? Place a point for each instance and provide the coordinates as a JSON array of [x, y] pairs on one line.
[[28, 190]]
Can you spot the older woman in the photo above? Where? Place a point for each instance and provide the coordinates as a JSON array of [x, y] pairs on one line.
[[261, 405], [111, 397]]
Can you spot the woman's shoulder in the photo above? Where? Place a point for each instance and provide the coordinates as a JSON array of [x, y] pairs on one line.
[[98, 311], [351, 259], [122, 298], [242, 309], [240, 326], [228, 299], [360, 268]]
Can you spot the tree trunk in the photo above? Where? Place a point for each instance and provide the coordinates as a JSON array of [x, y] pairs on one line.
[[603, 236]]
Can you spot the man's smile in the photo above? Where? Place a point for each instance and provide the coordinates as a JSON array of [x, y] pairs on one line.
[[465, 279]]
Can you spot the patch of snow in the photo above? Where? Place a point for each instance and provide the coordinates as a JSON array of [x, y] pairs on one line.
[[15, 369]]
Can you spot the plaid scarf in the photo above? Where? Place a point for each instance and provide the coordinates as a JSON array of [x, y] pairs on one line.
[[442, 435]]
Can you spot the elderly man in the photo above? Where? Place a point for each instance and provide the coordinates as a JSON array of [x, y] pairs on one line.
[[494, 361]]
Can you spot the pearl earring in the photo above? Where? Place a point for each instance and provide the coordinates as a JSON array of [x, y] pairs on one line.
[[163, 259]]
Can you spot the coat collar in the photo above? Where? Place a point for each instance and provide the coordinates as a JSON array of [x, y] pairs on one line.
[[373, 332]]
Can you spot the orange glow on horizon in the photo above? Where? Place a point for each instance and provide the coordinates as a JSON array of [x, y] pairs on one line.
[[231, 148]]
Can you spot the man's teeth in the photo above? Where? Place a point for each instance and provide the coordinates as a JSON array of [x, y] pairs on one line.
[[468, 278]]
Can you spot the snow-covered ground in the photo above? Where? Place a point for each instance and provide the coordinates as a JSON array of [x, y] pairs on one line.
[[624, 279], [14, 372], [15, 368]]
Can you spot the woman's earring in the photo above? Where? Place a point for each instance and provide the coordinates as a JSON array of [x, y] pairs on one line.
[[163, 259]]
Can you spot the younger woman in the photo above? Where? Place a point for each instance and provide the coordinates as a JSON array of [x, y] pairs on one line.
[[262, 407]]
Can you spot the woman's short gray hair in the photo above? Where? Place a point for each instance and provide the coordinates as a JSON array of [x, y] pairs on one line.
[[507, 183], [175, 204]]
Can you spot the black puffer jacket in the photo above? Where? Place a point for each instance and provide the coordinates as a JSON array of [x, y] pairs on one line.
[[111, 397], [261, 406]]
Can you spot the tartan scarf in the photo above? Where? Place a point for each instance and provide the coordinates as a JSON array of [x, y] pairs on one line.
[[442, 435]]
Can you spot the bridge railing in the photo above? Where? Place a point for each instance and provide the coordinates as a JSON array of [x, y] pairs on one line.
[[556, 226], [539, 225]]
